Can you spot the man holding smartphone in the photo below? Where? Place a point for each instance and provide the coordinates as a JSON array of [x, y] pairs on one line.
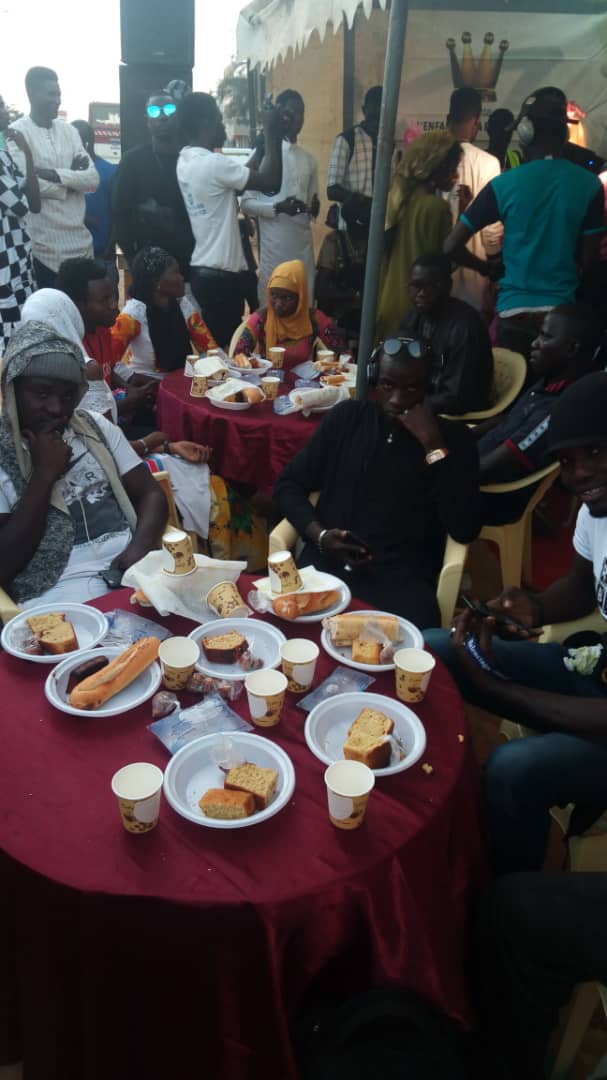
[[562, 695], [394, 480]]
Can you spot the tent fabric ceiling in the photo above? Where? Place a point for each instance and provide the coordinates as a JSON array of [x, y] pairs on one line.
[[267, 29]]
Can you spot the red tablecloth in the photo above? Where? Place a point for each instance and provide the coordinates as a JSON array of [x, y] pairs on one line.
[[187, 951], [250, 447]]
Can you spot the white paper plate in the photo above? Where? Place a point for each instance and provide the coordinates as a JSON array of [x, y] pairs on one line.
[[264, 367], [313, 581], [90, 627], [327, 728], [411, 638], [142, 688], [231, 406], [341, 394], [192, 771], [263, 638]]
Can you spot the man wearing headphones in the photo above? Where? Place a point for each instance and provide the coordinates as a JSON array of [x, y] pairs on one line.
[[394, 480], [551, 210]]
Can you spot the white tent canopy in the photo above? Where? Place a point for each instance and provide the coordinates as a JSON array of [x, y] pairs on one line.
[[267, 29]]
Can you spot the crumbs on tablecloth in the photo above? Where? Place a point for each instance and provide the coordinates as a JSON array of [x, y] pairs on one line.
[[460, 738], [428, 769]]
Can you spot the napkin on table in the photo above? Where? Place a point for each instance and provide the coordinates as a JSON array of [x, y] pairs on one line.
[[180, 594]]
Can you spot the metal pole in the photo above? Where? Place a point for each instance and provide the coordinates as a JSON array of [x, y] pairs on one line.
[[395, 48]]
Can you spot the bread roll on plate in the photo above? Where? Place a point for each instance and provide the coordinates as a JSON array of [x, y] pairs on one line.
[[344, 629], [305, 603], [93, 692]]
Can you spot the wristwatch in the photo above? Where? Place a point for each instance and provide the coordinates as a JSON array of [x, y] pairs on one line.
[[437, 455]]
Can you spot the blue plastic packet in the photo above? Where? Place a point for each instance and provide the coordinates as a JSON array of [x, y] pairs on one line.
[[208, 717], [125, 628], [343, 680], [306, 370]]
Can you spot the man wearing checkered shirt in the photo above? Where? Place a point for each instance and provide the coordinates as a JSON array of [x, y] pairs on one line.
[[352, 165], [65, 173]]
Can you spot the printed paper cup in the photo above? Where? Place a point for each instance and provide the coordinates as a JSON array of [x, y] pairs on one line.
[[266, 695], [270, 384], [225, 600], [277, 356], [299, 658], [284, 575], [179, 553], [349, 784], [178, 657], [199, 386], [137, 789], [412, 670]]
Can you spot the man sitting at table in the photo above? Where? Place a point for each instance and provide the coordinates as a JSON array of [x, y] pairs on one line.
[[75, 500], [394, 480], [562, 696], [462, 361]]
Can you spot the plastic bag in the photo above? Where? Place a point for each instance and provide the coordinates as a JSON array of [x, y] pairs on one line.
[[125, 628], [343, 680], [228, 689], [209, 717]]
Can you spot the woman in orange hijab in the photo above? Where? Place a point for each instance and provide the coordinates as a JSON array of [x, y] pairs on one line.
[[288, 320]]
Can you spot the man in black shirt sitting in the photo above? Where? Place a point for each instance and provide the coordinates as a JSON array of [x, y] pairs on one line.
[[462, 361], [513, 445], [394, 480]]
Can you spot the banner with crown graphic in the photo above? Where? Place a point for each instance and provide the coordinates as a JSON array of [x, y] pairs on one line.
[[505, 55]]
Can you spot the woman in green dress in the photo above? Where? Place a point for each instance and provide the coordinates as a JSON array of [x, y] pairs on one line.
[[418, 220]]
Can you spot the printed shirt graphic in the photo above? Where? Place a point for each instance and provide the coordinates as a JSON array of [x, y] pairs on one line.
[[590, 541]]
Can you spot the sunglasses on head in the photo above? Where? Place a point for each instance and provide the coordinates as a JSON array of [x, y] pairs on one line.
[[393, 346], [169, 109]]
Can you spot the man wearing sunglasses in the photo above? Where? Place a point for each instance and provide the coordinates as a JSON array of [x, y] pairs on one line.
[[148, 207], [394, 480]]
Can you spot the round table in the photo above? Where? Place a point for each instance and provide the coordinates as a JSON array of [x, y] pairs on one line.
[[189, 950], [249, 447]]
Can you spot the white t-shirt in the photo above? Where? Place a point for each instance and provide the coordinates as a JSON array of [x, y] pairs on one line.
[[590, 541], [101, 530], [209, 183]]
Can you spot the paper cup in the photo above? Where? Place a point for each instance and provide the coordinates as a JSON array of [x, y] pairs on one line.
[[349, 784], [137, 788], [266, 694], [199, 386], [412, 669], [178, 657], [284, 575], [270, 385], [299, 658], [277, 356], [325, 356], [179, 553], [225, 600]]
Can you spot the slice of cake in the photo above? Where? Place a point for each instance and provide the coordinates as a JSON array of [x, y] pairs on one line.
[[366, 652], [259, 782], [224, 648], [54, 633], [369, 739], [227, 805]]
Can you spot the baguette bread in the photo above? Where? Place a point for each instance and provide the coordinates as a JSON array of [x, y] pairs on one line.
[[304, 603], [227, 805], [241, 360], [224, 648], [252, 394], [119, 673], [53, 632], [343, 629], [259, 782]]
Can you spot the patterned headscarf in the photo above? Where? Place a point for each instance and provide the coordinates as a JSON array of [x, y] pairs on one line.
[[419, 162], [292, 277]]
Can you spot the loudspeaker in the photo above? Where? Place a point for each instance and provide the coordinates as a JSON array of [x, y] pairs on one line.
[[137, 83], [157, 31]]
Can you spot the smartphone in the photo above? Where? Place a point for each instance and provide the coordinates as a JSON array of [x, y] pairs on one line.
[[482, 609], [112, 577]]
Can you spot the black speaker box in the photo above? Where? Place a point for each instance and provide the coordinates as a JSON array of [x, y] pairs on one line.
[[157, 31], [137, 83]]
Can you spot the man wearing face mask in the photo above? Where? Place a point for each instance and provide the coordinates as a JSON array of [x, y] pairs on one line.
[[394, 480], [148, 205], [65, 173], [285, 219]]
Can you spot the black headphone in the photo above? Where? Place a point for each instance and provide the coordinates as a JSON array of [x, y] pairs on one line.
[[392, 347]]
